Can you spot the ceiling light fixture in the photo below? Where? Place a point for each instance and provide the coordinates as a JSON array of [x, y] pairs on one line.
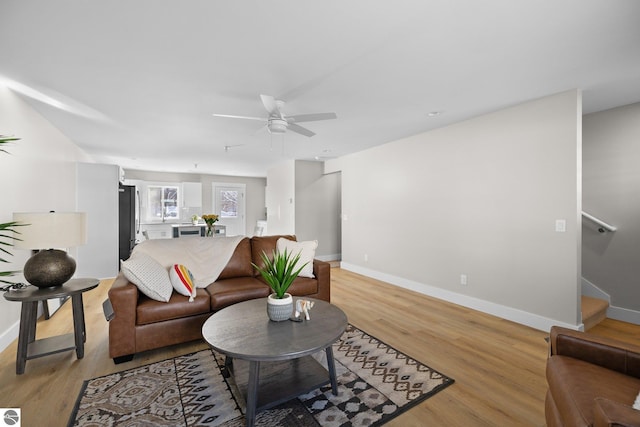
[[277, 126], [434, 113]]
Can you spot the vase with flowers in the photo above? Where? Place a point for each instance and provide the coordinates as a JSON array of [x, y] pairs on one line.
[[210, 219]]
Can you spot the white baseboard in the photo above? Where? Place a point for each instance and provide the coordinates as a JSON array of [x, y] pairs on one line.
[[591, 290], [9, 335], [509, 313], [332, 257], [624, 315]]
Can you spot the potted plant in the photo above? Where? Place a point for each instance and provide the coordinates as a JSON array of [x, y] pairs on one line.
[[279, 273]]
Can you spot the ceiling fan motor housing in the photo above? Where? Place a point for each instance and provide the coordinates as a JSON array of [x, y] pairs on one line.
[[277, 125]]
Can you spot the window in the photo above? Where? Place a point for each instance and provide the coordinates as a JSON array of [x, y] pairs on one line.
[[228, 203], [163, 202]]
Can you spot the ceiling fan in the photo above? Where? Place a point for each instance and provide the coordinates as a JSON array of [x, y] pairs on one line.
[[277, 122]]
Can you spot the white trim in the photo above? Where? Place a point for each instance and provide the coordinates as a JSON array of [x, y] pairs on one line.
[[509, 313], [590, 290], [9, 335], [624, 315], [613, 312], [332, 257]]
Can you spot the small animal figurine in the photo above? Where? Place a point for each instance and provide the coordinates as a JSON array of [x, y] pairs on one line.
[[303, 306]]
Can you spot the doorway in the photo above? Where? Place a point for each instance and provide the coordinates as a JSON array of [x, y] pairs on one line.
[[229, 204]]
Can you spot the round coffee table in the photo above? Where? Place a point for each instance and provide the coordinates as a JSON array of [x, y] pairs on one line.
[[243, 332]]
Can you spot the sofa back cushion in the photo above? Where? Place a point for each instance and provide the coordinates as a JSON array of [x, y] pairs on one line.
[[240, 263], [266, 244], [623, 358]]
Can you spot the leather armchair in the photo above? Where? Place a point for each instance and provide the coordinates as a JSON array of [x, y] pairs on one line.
[[593, 381]]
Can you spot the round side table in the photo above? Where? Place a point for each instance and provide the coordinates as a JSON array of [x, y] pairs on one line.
[[28, 346]]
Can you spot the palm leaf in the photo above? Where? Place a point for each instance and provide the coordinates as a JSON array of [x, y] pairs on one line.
[[5, 139]]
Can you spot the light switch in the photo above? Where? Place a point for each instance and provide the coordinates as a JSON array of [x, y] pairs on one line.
[[561, 225]]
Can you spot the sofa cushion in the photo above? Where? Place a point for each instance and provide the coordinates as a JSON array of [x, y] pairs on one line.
[[574, 384], [150, 277], [307, 251], [266, 244], [182, 281], [240, 263], [231, 291], [149, 311]]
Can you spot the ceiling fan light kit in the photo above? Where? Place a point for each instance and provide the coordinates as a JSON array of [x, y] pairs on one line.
[[277, 126], [278, 123]]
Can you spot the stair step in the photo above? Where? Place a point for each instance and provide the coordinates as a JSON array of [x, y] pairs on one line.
[[594, 311]]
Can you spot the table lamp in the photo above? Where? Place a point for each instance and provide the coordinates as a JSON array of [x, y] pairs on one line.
[[45, 233]]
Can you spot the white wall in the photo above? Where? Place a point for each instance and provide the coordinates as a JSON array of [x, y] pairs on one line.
[[317, 208], [479, 198], [98, 196], [612, 192], [280, 197], [39, 175]]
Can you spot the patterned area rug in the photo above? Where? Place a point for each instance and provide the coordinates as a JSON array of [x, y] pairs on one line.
[[375, 384]]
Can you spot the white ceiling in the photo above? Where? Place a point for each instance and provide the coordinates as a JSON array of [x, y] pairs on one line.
[[135, 83]]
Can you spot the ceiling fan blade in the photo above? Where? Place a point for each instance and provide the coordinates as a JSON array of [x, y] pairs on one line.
[[299, 129], [270, 105], [262, 119], [312, 117]]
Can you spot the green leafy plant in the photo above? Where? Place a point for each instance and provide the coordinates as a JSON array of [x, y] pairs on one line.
[[7, 236], [7, 229], [279, 272], [4, 140]]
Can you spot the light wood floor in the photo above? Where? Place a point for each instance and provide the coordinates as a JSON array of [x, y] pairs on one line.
[[498, 365]]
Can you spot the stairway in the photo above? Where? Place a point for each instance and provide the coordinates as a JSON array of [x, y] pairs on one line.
[[594, 311]]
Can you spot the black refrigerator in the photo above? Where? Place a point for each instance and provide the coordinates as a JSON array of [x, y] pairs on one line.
[[127, 213]]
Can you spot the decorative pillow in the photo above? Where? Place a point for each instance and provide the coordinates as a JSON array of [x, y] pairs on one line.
[[307, 251], [151, 278], [182, 281]]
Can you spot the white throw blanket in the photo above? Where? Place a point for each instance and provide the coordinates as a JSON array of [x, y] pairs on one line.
[[205, 257]]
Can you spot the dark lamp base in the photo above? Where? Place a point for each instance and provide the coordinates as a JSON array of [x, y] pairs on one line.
[[49, 268]]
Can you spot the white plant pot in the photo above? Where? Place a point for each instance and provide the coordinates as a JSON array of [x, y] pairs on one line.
[[279, 309]]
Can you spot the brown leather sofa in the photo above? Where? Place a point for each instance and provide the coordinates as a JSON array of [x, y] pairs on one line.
[[593, 381], [140, 323]]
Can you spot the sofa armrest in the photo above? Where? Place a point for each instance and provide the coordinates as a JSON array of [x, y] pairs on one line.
[[606, 352], [123, 296], [322, 271], [607, 413]]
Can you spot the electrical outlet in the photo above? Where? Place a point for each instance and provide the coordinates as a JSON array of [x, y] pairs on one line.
[[463, 279]]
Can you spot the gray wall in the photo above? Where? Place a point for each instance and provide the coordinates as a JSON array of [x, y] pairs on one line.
[[255, 187], [479, 198], [611, 192], [317, 208]]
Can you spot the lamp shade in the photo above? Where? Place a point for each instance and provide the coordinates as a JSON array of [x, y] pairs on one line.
[[46, 230]]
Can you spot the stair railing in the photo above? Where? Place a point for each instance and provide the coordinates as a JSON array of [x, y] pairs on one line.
[[602, 226]]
